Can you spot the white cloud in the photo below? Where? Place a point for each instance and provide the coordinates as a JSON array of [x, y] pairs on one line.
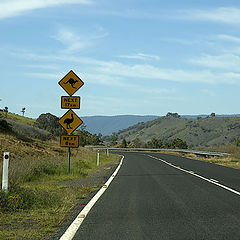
[[11, 8], [114, 73], [228, 38], [229, 62], [141, 56], [220, 15], [74, 42]]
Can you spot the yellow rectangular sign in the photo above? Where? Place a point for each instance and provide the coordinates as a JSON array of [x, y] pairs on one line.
[[70, 102], [69, 141]]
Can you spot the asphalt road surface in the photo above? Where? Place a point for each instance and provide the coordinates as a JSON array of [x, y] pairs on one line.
[[150, 199]]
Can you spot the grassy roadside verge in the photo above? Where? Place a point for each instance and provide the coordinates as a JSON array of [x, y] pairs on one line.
[[36, 202], [233, 160]]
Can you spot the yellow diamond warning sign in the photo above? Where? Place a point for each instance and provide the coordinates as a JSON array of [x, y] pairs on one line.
[[70, 102], [70, 121], [71, 83], [69, 141]]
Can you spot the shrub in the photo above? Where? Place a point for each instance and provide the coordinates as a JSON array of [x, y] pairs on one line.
[[18, 198], [237, 142], [5, 126]]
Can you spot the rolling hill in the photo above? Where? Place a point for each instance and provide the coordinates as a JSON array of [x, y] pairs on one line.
[[209, 131], [106, 125]]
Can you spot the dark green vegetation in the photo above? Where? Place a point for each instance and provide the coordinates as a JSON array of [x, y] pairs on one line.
[[153, 143], [50, 123], [210, 131]]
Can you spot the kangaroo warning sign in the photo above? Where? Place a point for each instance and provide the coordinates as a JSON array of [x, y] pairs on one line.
[[69, 141], [70, 121], [71, 83]]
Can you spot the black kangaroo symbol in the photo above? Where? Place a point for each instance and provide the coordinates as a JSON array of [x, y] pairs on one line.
[[68, 121], [72, 82]]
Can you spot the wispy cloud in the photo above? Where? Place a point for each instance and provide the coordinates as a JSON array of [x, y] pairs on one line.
[[116, 73], [141, 56], [74, 41], [228, 38], [220, 15], [223, 62], [11, 8]]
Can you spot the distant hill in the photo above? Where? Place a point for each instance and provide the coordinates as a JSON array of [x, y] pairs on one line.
[[106, 125], [196, 132]]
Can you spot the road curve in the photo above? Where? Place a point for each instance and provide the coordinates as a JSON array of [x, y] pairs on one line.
[[150, 199]]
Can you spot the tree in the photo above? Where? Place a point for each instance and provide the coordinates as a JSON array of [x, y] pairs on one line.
[[136, 143], [5, 126], [213, 114], [179, 143], [6, 111], [50, 123], [23, 110], [114, 139], [175, 115], [124, 143], [237, 142]]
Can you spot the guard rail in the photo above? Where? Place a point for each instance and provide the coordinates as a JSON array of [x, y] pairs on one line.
[[201, 153]]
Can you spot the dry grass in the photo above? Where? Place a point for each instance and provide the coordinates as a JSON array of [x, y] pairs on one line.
[[37, 167], [233, 160]]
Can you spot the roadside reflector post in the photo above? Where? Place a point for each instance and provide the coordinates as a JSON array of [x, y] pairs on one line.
[[98, 157], [69, 156], [5, 171], [107, 152]]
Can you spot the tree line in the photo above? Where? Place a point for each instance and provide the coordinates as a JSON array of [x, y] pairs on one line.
[[153, 143], [50, 123]]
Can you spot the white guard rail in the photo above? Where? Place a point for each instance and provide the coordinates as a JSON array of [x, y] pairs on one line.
[[201, 153]]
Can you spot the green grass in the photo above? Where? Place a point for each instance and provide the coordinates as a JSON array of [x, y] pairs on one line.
[[37, 201], [20, 118]]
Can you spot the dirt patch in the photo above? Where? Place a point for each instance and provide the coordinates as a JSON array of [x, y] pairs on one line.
[[95, 179]]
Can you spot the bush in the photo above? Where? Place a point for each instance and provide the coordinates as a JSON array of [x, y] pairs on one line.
[[237, 142], [5, 126], [43, 169], [18, 198]]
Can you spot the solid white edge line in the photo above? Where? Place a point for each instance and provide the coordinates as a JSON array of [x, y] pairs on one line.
[[72, 229], [199, 176]]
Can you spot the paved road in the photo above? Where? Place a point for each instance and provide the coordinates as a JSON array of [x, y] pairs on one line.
[[152, 200]]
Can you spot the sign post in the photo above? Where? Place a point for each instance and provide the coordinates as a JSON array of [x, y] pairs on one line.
[[70, 121], [5, 171]]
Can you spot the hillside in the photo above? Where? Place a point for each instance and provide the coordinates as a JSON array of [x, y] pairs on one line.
[[106, 125], [211, 131]]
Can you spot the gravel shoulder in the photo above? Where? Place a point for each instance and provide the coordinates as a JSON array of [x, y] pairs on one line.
[[95, 180]]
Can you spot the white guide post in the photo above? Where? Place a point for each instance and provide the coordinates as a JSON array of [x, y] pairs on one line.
[[98, 158], [5, 171], [107, 152]]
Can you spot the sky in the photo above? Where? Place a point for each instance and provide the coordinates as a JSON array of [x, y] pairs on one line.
[[145, 57]]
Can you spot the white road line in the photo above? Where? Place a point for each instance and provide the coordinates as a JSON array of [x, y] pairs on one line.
[[214, 180], [72, 229], [199, 176]]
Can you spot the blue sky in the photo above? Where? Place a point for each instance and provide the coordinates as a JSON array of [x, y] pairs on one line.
[[146, 57]]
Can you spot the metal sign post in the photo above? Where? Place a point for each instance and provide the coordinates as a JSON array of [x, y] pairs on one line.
[[70, 121], [5, 171], [69, 156]]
